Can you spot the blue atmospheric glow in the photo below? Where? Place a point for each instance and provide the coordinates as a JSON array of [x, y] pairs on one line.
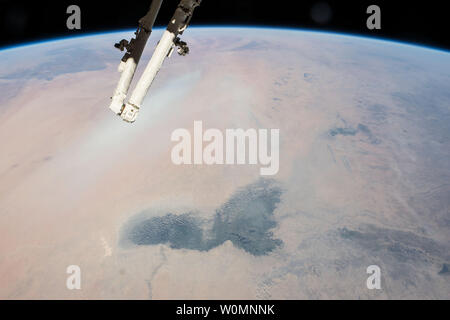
[[348, 35]]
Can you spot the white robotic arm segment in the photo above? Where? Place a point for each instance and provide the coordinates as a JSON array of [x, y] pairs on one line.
[[178, 24]]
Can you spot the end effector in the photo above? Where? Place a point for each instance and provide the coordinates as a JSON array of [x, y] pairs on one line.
[[129, 113]]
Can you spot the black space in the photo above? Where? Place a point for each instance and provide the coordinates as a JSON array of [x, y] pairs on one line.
[[424, 23]]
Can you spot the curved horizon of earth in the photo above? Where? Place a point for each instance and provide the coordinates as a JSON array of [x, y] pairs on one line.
[[363, 180]]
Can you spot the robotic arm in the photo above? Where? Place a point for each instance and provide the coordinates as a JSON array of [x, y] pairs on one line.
[[170, 40]]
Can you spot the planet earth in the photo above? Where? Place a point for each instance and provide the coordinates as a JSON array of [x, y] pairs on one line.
[[363, 180]]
